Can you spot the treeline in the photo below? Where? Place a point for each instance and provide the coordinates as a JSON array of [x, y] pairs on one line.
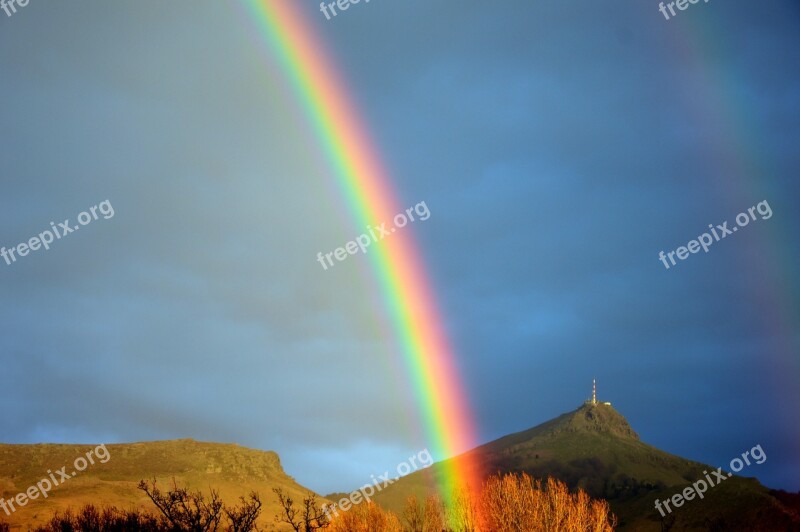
[[514, 503]]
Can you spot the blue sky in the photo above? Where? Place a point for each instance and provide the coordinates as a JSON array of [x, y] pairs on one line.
[[559, 148]]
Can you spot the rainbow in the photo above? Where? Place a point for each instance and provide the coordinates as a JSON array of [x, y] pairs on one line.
[[368, 193], [736, 166]]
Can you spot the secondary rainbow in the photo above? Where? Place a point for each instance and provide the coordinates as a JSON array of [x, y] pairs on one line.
[[366, 187]]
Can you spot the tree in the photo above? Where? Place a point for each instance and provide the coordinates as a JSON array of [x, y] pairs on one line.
[[243, 518], [366, 517], [413, 515], [519, 503], [311, 517], [186, 510], [111, 519], [463, 515], [434, 514], [507, 503]]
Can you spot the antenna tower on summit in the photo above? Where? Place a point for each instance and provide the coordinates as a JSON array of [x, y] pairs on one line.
[[594, 391]]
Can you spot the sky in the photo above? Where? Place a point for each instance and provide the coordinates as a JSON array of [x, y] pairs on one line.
[[559, 147]]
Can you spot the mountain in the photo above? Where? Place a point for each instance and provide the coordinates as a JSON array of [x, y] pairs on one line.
[[232, 470], [595, 448], [592, 447]]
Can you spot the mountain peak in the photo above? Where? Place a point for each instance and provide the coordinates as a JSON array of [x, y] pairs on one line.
[[594, 448], [598, 417]]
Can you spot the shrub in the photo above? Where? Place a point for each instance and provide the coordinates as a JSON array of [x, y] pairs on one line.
[[365, 517], [111, 519], [519, 503]]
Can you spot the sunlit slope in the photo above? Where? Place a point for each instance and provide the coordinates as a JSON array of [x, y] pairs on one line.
[[228, 468]]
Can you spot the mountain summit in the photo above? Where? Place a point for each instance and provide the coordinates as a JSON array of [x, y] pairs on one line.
[[595, 448], [590, 418]]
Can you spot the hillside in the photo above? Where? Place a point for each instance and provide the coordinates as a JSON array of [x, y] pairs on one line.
[[594, 447], [230, 469]]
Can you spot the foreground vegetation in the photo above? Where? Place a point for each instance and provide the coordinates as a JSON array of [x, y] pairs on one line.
[[509, 502], [515, 503]]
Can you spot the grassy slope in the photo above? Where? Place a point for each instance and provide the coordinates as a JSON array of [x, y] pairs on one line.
[[595, 448], [230, 469]]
